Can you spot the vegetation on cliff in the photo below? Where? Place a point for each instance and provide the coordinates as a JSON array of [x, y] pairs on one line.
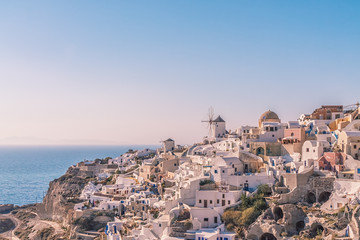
[[244, 214]]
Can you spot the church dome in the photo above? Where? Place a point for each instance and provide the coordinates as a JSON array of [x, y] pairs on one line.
[[269, 115]]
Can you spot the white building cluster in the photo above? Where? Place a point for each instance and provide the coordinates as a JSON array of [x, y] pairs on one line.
[[181, 192]]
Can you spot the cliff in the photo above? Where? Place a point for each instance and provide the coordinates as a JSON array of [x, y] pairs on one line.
[[54, 217], [61, 196]]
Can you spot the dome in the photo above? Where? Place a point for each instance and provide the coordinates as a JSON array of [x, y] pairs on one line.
[[269, 115]]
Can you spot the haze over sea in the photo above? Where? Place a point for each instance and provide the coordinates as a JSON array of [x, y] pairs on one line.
[[25, 172]]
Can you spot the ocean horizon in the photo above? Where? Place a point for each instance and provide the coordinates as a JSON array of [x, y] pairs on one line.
[[25, 171]]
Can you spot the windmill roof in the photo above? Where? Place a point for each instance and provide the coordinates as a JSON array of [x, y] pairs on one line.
[[169, 140], [219, 119]]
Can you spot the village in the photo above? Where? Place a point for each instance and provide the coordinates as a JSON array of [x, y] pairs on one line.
[[277, 180]]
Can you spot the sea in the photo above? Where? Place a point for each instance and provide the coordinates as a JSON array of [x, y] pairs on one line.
[[25, 171]]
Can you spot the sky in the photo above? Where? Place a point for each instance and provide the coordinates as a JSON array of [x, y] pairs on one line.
[[138, 72]]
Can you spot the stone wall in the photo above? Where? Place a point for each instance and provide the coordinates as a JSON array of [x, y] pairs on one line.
[[315, 185]]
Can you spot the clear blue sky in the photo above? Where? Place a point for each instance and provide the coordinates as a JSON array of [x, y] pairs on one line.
[[125, 72]]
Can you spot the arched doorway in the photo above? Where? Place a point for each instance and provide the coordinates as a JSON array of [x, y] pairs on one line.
[[268, 236], [278, 213], [300, 225], [316, 230], [260, 151], [324, 196], [310, 198]]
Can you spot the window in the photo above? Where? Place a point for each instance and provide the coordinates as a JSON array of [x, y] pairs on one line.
[[210, 201], [215, 219], [223, 171], [307, 150], [292, 134], [225, 238], [175, 164], [354, 146], [228, 201], [206, 219], [215, 171], [200, 201], [159, 224], [218, 200], [223, 195]]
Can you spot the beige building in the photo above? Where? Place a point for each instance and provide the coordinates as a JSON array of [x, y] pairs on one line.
[[168, 165], [349, 143], [265, 149], [252, 164], [146, 171]]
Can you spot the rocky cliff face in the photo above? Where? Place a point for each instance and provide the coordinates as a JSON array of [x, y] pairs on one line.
[[54, 217], [63, 193]]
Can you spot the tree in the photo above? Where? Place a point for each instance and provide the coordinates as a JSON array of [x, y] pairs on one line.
[[264, 189]]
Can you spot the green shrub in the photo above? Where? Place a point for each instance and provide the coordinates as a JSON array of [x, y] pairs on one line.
[[264, 189], [244, 214]]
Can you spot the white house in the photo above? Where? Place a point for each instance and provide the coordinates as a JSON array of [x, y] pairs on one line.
[[271, 132], [312, 150], [160, 224], [323, 134], [214, 234], [207, 217], [109, 205], [345, 191], [216, 198], [222, 167]]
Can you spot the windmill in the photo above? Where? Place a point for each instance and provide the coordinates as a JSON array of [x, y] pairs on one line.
[[210, 120], [352, 107], [354, 110]]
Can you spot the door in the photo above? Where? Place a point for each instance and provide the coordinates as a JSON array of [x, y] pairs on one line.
[[205, 203], [246, 169], [223, 202]]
